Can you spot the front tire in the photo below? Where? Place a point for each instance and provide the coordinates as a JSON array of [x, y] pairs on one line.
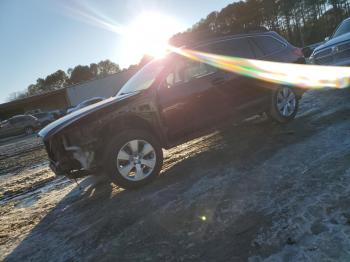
[[284, 105], [133, 159]]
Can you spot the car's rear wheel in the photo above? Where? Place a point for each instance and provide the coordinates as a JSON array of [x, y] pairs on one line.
[[133, 159], [284, 105], [28, 130]]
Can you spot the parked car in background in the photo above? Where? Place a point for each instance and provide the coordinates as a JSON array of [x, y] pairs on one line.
[[169, 101], [85, 103], [308, 50], [45, 118], [336, 49], [20, 124]]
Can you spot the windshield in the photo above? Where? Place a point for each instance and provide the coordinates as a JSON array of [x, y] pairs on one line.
[[143, 79], [342, 29]]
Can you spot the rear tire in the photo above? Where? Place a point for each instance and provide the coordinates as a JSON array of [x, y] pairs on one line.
[[133, 159], [284, 105]]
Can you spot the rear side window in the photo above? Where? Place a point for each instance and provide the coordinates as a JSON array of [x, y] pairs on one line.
[[239, 47], [268, 45]]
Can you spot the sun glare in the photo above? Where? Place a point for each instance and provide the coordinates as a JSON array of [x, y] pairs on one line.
[[148, 34]]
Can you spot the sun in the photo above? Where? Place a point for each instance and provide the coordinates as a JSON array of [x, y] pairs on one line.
[[148, 34]]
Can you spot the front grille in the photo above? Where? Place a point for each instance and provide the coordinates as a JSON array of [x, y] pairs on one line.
[[342, 53], [324, 60], [323, 57], [343, 47], [324, 52]]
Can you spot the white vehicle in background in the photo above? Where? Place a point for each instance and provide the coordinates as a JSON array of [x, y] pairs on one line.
[[85, 103]]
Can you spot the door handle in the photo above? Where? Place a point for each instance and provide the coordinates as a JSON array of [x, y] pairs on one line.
[[218, 81]]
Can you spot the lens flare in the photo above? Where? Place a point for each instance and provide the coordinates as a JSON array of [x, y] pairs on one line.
[[306, 76], [301, 75], [88, 15], [146, 34]]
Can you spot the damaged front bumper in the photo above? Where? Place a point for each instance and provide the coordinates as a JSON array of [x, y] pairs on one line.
[[70, 160]]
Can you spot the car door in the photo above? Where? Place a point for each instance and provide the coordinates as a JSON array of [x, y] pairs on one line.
[[185, 99], [241, 93], [268, 48]]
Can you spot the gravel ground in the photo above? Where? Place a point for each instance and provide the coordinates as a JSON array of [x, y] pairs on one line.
[[252, 192]]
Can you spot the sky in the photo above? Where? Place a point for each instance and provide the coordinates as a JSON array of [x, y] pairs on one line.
[[39, 37]]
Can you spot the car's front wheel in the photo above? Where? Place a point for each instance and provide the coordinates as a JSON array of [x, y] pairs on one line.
[[284, 105], [134, 158]]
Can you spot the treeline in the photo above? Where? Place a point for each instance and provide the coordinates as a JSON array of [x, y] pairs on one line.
[[302, 22], [61, 79]]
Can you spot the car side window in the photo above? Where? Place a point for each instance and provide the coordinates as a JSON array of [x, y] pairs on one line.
[[256, 49], [187, 70], [238, 47], [268, 44]]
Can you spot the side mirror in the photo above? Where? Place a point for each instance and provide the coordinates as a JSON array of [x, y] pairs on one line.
[[327, 38]]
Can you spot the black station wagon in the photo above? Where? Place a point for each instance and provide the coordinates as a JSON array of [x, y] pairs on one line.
[[169, 101]]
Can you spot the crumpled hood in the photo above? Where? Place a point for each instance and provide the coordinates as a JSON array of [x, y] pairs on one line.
[[59, 124], [334, 41]]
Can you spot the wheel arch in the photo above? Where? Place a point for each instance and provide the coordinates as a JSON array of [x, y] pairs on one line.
[[131, 121]]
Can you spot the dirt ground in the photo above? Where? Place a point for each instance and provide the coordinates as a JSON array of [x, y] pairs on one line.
[[252, 192]]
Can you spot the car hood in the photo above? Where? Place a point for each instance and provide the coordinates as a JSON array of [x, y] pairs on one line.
[[65, 121], [334, 41]]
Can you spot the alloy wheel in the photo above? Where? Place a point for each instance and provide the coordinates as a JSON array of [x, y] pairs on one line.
[[286, 102], [136, 160]]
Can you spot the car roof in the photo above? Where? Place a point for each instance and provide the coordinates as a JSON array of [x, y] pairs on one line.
[[229, 37]]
